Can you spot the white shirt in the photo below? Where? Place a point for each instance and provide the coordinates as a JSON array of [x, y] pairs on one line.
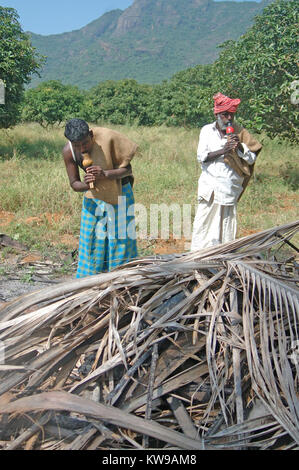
[[217, 176]]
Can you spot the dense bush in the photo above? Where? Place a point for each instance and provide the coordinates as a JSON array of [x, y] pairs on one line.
[[175, 104], [52, 103], [118, 102], [172, 103]]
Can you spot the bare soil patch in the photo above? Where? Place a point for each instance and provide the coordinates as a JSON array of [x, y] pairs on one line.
[[23, 271]]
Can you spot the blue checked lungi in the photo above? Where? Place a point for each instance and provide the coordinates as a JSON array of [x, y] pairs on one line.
[[107, 234]]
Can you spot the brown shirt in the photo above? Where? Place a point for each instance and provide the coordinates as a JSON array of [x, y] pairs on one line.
[[237, 163], [110, 150]]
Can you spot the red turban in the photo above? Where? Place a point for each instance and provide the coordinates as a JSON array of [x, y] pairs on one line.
[[224, 103]]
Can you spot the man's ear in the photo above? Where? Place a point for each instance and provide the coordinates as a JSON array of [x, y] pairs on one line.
[[91, 133]]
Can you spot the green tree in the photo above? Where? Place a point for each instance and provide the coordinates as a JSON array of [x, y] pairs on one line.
[[183, 100], [200, 75], [118, 102], [18, 61], [52, 103], [261, 69], [176, 103]]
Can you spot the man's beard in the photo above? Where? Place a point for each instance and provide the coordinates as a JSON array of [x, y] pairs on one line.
[[222, 125]]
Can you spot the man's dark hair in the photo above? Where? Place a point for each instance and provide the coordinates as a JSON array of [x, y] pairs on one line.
[[76, 130]]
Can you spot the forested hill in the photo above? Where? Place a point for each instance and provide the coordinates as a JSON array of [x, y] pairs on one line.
[[149, 41]]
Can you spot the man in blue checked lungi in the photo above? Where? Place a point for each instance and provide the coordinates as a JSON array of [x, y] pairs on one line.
[[107, 232]]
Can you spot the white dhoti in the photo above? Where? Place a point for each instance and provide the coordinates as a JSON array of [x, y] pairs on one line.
[[213, 224]]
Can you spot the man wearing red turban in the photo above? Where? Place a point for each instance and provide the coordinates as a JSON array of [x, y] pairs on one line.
[[224, 103], [227, 160]]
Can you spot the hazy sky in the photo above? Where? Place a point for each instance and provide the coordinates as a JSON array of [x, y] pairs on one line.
[[60, 16]]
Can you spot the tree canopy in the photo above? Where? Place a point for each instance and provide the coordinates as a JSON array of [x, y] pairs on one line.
[[119, 102], [51, 103], [18, 61], [261, 68]]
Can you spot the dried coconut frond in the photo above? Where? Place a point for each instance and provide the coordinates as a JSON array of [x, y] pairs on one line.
[[203, 344]]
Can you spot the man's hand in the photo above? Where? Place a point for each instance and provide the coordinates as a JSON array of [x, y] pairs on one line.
[[232, 143], [229, 146], [234, 140], [94, 172]]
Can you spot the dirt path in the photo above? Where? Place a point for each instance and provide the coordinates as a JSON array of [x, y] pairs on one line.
[[12, 288], [22, 272]]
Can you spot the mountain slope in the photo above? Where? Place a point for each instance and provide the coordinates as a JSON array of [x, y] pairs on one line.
[[149, 41]]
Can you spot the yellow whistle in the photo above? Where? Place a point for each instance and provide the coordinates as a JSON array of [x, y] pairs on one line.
[[86, 162]]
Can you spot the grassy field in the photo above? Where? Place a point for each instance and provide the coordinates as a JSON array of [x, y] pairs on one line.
[[38, 208]]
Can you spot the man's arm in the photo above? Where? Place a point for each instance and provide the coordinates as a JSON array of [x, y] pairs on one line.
[[203, 150], [246, 154], [242, 150], [73, 171], [96, 172], [228, 147]]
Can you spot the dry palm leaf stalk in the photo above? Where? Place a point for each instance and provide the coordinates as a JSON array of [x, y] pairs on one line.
[[190, 351]]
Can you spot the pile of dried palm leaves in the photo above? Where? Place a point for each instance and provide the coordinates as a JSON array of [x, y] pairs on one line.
[[190, 351]]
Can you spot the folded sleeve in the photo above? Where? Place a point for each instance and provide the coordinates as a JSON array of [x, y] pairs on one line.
[[247, 155]]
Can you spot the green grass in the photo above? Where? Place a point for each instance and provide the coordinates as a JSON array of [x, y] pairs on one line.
[[272, 196], [45, 212]]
